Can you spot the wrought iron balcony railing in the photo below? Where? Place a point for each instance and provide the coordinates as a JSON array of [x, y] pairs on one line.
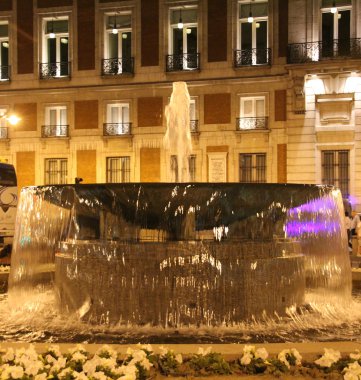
[[118, 66], [3, 133], [54, 70], [194, 126], [55, 131], [182, 62], [319, 50], [252, 57], [117, 129], [4, 72], [251, 123]]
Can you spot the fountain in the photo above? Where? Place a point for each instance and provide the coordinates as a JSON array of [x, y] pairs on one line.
[[180, 254]]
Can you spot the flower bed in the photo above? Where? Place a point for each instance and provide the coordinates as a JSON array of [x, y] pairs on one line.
[[143, 363]]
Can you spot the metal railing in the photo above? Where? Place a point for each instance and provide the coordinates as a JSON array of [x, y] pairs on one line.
[[54, 70], [55, 131], [251, 123], [3, 132], [182, 62], [118, 66], [252, 57], [319, 50], [194, 126], [117, 129], [4, 72]]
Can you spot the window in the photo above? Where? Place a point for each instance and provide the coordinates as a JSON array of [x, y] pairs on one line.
[[191, 168], [183, 39], [56, 123], [56, 171], [118, 44], [336, 28], [252, 113], [193, 115], [252, 167], [253, 36], [118, 169], [55, 51], [336, 169], [117, 119], [4, 51]]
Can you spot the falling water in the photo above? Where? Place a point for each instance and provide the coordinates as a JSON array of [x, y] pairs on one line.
[[165, 262], [177, 139], [183, 255]]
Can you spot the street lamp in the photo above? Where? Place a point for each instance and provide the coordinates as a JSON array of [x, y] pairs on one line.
[[11, 118]]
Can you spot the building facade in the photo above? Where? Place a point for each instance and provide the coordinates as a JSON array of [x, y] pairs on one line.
[[275, 90]]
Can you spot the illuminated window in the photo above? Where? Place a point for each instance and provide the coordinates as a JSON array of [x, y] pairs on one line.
[[183, 44], [118, 44], [56, 121], [55, 49], [253, 36], [252, 167], [336, 27], [118, 169], [252, 113], [56, 171], [336, 170], [4, 51]]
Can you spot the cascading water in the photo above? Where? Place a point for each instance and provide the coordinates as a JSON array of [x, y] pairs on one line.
[[253, 260]]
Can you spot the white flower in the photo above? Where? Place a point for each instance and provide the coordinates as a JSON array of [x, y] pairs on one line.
[[204, 352], [5, 371], [80, 375], [352, 371], [54, 350], [78, 347], [129, 372], [79, 357], [146, 347], [50, 359], [99, 375], [250, 349], [65, 372], [356, 355], [297, 356], [107, 350], [41, 376], [32, 368], [163, 351], [16, 372], [178, 358], [282, 356], [9, 355], [329, 357], [246, 358], [261, 353], [58, 365]]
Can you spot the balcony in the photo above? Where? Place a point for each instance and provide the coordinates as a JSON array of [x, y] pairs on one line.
[[252, 57], [3, 133], [55, 131], [54, 70], [194, 126], [252, 123], [322, 50], [117, 129], [117, 66], [4, 73], [182, 62]]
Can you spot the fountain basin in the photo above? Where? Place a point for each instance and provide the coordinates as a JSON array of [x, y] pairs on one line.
[[181, 254]]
